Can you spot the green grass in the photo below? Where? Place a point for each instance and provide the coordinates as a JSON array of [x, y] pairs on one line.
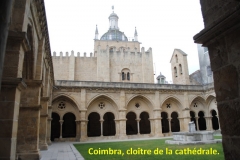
[[148, 145]]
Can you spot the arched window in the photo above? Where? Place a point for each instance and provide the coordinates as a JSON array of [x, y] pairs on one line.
[[128, 76], [123, 76], [131, 124], [175, 71], [176, 58], [125, 73], [180, 68]]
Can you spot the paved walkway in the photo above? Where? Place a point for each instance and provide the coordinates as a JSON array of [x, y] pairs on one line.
[[61, 151]]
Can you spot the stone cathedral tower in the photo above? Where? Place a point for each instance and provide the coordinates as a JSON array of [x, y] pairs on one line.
[[115, 59]]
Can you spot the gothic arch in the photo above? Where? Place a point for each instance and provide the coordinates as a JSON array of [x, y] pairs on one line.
[[111, 99], [102, 104], [68, 98], [198, 98], [175, 100], [138, 104], [209, 99], [145, 98]]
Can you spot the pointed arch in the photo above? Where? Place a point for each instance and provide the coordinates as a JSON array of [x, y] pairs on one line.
[[67, 98], [108, 97], [209, 99], [102, 99], [198, 98], [144, 98], [175, 99]]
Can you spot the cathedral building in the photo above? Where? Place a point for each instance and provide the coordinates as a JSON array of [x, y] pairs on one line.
[[112, 95]]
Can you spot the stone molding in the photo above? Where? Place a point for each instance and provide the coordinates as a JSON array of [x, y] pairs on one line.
[[216, 30], [35, 107], [148, 87], [14, 82]]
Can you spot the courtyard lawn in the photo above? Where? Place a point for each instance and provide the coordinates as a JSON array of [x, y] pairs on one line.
[[148, 150]]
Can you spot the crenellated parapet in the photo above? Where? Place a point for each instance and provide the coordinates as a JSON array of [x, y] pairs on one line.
[[112, 50], [61, 54]]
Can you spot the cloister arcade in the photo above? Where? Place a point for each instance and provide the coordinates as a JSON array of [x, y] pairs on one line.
[[104, 118]]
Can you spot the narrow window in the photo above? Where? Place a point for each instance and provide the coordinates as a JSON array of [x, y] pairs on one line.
[[128, 76], [180, 68], [175, 71], [176, 59], [123, 76]]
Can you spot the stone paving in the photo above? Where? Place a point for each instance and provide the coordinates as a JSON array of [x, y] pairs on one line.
[[61, 151]]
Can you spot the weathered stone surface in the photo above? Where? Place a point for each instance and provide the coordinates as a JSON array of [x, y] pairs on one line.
[[226, 83], [229, 126], [231, 147]]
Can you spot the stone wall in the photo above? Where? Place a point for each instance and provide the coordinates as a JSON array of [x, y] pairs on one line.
[[121, 99], [222, 36], [106, 66], [179, 66], [26, 83]]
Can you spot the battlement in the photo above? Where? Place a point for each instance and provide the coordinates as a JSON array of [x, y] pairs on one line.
[[72, 54], [123, 50]]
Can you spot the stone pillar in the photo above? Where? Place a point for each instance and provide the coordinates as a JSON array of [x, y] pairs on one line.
[[185, 119], [29, 120], [83, 126], [61, 122], [138, 127], [181, 123], [117, 127], [209, 123], [197, 123], [218, 122], [122, 124], [169, 122], [49, 142], [101, 121], [157, 123], [78, 125], [9, 110], [152, 126], [222, 36], [43, 124]]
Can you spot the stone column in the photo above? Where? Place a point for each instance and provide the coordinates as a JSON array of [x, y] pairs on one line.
[[169, 122], [222, 36], [152, 126], [83, 125], [29, 120], [138, 127], [49, 125], [49, 142], [157, 123], [61, 122], [209, 123], [122, 124], [117, 127], [78, 123], [101, 121], [197, 123], [43, 124], [218, 122], [185, 119], [181, 124], [9, 110]]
